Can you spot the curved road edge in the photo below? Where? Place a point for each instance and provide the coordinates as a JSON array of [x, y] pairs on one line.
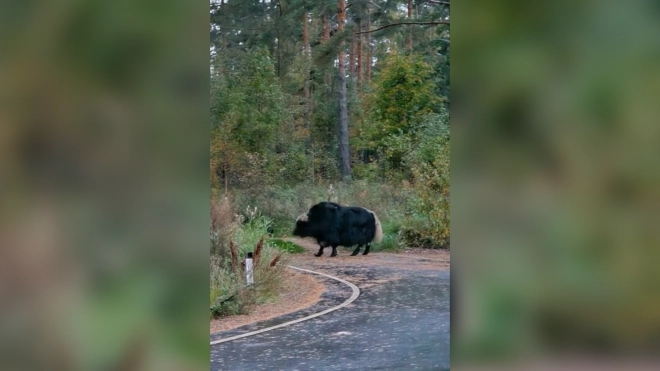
[[356, 293]]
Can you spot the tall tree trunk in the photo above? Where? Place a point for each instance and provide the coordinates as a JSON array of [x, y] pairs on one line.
[[368, 69], [306, 54], [326, 28], [345, 169], [409, 27], [353, 57], [325, 36], [359, 56], [306, 92]]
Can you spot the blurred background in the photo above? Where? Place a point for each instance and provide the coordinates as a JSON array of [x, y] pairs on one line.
[[104, 215], [555, 185]]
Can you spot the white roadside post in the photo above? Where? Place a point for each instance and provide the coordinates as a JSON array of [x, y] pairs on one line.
[[248, 269]]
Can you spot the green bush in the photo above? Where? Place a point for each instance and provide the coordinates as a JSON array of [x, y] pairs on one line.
[[225, 289], [391, 240], [429, 164]]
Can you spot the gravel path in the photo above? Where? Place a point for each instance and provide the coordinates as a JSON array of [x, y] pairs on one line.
[[399, 322]]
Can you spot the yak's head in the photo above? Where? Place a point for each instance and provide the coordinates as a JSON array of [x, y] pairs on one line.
[[317, 220], [302, 226]]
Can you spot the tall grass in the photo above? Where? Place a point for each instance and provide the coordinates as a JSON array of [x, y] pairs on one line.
[[232, 237]]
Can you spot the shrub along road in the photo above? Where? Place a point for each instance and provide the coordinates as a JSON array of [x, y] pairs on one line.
[[399, 321]]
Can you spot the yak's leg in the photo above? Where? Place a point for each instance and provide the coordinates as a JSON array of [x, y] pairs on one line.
[[366, 250], [357, 250], [334, 250], [320, 251]]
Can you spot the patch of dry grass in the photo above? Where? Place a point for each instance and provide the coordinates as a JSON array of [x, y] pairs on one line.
[[297, 291]]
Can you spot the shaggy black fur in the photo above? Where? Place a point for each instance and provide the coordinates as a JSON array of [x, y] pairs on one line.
[[334, 225]]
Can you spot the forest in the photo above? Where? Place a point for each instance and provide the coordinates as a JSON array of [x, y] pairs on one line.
[[345, 101]]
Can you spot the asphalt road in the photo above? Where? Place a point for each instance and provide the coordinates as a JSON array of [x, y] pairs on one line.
[[400, 321]]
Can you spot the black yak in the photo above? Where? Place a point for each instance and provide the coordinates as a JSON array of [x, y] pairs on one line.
[[334, 225]]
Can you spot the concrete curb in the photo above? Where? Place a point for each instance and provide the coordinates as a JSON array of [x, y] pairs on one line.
[[356, 293]]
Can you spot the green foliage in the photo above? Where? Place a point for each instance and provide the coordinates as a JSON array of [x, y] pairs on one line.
[[287, 246], [247, 102], [419, 159], [326, 53], [394, 147], [370, 171], [429, 165], [403, 92], [223, 285], [253, 141], [247, 237], [391, 237]]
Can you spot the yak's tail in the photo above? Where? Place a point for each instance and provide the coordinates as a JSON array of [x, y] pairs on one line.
[[378, 236]]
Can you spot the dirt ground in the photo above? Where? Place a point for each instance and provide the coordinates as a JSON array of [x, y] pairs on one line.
[[302, 290]]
